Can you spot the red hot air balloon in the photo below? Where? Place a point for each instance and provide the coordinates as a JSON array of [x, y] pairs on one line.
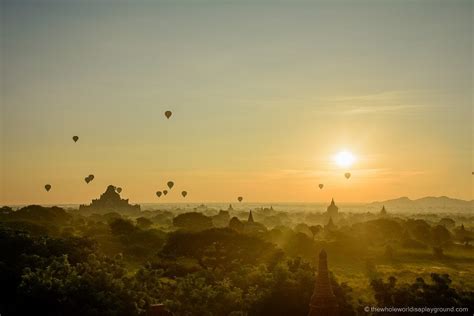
[[47, 187], [168, 114]]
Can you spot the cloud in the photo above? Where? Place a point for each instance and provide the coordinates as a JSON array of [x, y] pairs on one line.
[[381, 108], [383, 102]]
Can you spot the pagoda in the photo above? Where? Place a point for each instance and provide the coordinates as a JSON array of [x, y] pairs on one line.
[[323, 302], [251, 226], [109, 201], [332, 210], [330, 225], [250, 219]]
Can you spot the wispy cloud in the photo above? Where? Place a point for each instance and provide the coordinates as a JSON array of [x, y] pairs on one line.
[[382, 108], [383, 102]]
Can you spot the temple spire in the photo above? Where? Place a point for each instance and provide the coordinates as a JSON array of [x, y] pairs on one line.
[[250, 219], [323, 302]]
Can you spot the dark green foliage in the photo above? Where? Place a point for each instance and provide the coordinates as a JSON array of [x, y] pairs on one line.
[[22, 251], [438, 293], [97, 286], [420, 230], [378, 231], [47, 267], [136, 242], [218, 247], [440, 236], [41, 214], [464, 236], [122, 227], [193, 221], [144, 222]]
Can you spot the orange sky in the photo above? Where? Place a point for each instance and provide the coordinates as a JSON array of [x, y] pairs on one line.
[[263, 96]]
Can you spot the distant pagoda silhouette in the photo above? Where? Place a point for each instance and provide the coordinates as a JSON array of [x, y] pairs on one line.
[[332, 210], [323, 302], [250, 219], [109, 201]]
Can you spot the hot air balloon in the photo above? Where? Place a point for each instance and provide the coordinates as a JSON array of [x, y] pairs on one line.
[[89, 178], [168, 114], [75, 138], [321, 185], [165, 192], [47, 187], [119, 190], [170, 184], [347, 175], [158, 193], [184, 193], [240, 199]]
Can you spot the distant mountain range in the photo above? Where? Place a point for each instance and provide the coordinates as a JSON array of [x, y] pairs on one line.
[[426, 204]]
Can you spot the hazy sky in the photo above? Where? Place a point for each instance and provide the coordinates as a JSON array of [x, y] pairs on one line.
[[263, 95]]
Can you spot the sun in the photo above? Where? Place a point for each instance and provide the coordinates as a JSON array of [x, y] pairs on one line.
[[344, 159]]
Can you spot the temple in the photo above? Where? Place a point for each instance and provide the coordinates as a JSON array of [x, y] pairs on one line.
[[332, 210], [330, 225], [250, 219], [248, 227], [221, 219], [323, 302], [109, 201]]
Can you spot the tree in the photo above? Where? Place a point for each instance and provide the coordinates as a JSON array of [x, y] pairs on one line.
[[388, 252], [464, 236], [447, 222], [236, 225], [440, 238], [121, 226], [192, 221], [218, 247], [144, 222], [315, 229], [438, 293]]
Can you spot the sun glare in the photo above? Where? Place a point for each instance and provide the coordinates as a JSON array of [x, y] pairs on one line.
[[344, 159]]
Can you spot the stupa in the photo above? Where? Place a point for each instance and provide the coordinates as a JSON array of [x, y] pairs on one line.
[[332, 210], [323, 302], [250, 219]]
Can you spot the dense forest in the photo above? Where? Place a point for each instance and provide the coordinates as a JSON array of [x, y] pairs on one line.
[[203, 261]]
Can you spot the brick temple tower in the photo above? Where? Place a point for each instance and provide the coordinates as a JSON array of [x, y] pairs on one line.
[[323, 302]]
